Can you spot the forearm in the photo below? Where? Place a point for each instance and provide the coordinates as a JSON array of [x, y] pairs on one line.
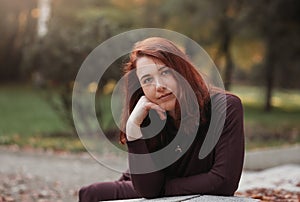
[[222, 179], [146, 180], [205, 183], [133, 131]]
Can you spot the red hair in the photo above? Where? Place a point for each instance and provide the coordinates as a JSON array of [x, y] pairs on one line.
[[168, 53]]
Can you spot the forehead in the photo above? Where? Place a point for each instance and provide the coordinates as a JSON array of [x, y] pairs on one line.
[[145, 65]]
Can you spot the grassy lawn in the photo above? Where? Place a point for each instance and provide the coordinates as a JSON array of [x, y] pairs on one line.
[[28, 120], [278, 127], [24, 112]]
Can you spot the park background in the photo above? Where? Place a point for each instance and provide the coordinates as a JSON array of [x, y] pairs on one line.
[[254, 44]]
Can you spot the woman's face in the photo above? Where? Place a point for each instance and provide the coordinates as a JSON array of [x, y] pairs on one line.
[[158, 82]]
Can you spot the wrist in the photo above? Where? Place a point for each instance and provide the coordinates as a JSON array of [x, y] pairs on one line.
[[133, 131]]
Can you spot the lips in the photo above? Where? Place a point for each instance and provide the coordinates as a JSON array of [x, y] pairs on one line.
[[162, 97]]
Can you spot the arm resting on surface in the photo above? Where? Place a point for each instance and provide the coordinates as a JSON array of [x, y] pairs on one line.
[[149, 185], [224, 176]]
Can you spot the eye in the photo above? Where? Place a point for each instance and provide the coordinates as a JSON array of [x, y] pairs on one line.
[[147, 80], [166, 72]]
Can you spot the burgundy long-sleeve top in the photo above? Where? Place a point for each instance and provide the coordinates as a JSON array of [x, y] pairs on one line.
[[216, 174]]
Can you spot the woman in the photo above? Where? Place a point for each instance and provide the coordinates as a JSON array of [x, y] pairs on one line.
[[158, 75]]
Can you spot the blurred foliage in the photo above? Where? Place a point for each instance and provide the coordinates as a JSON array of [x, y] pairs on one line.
[[226, 29], [18, 29], [75, 28], [278, 23]]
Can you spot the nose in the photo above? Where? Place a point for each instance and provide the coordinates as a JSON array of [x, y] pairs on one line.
[[160, 85]]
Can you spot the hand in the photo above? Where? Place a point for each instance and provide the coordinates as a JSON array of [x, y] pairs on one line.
[[142, 109], [138, 115]]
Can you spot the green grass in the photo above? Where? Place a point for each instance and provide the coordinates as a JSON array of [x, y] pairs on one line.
[[28, 120], [278, 127], [23, 111], [286, 107], [287, 100]]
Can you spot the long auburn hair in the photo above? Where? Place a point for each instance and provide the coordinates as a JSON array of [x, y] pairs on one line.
[[163, 50]]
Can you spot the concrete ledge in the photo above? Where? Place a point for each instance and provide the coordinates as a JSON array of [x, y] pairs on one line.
[[271, 157], [194, 198]]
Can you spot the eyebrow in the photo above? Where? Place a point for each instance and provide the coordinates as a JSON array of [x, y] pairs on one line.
[[159, 69], [162, 67], [144, 76]]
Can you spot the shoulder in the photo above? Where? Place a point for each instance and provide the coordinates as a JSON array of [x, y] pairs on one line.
[[232, 97], [233, 100], [225, 100]]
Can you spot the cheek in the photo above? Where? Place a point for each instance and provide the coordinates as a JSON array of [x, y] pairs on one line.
[[173, 86], [149, 92]]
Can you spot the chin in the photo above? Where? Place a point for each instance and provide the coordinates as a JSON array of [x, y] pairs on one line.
[[168, 106]]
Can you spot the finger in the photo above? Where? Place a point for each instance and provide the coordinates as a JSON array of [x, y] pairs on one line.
[[161, 115], [151, 105], [161, 112]]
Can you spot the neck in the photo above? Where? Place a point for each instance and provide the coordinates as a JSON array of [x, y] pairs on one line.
[[172, 114], [176, 119]]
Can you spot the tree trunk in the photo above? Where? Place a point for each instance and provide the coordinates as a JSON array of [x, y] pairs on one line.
[[228, 59], [224, 50], [269, 73]]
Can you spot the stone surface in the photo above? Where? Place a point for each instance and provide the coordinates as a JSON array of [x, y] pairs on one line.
[[195, 198], [285, 177], [271, 157], [70, 172]]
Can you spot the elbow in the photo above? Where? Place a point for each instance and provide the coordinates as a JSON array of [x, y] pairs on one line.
[[149, 189], [228, 188], [228, 192], [150, 194]]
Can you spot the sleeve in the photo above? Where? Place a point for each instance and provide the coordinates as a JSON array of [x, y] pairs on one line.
[[149, 185], [223, 178]]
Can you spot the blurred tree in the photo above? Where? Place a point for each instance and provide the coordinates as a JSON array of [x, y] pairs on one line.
[[18, 29], [75, 29], [195, 20], [278, 22], [210, 23], [227, 27], [218, 23]]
